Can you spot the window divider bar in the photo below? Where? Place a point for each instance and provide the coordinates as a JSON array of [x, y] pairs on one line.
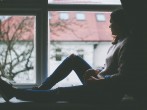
[[82, 7]]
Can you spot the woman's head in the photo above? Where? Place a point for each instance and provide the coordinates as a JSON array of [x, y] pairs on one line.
[[119, 23]]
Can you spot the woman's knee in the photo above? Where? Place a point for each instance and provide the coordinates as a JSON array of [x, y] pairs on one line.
[[72, 55]]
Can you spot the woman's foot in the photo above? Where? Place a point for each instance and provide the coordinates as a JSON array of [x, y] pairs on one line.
[[6, 90]]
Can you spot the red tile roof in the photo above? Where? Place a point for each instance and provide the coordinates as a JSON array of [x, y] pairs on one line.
[[87, 30], [18, 28], [68, 30]]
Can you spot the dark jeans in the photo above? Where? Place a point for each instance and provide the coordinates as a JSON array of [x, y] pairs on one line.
[[83, 93], [72, 62]]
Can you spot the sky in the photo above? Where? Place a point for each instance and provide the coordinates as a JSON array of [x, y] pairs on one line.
[[87, 1]]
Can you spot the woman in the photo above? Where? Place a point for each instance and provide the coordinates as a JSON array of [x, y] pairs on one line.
[[98, 85]]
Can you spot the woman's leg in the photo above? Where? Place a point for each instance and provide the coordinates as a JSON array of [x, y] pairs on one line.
[[83, 93], [72, 62], [102, 92], [76, 93]]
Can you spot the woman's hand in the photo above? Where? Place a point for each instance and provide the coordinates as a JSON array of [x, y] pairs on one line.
[[93, 81], [90, 73], [100, 76]]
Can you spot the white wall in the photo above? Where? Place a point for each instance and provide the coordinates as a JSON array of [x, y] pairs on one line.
[[100, 54]]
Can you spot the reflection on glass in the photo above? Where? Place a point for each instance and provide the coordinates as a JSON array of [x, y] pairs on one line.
[[84, 1], [81, 34], [17, 56]]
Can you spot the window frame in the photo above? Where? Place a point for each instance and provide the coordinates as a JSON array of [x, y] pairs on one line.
[[81, 8], [26, 8], [58, 55]]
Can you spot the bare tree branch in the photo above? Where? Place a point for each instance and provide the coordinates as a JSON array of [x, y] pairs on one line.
[[16, 59]]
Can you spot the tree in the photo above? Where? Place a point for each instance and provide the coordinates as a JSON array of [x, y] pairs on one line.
[[17, 46]]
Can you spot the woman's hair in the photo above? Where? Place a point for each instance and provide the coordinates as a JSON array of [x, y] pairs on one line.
[[120, 17]]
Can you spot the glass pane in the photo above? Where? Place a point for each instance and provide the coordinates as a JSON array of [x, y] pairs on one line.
[[17, 53], [88, 38], [84, 1]]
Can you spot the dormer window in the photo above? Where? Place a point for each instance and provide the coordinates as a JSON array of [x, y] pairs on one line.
[[80, 16], [100, 17], [64, 16]]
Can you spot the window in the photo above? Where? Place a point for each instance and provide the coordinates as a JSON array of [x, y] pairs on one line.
[[64, 16], [78, 31], [78, 37], [21, 28], [17, 53], [80, 16], [80, 53], [100, 17], [58, 54]]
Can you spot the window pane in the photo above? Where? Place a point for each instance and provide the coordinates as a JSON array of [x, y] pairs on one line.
[[84, 1], [87, 38], [17, 55]]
